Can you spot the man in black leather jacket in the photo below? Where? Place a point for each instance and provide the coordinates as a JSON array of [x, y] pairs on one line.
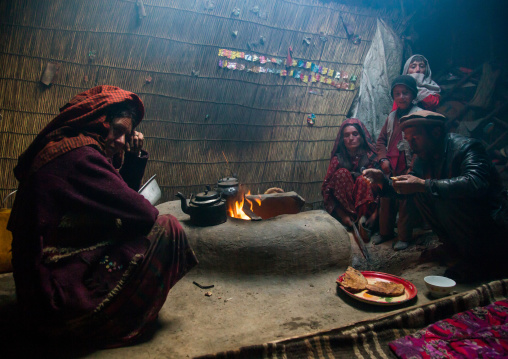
[[457, 190]]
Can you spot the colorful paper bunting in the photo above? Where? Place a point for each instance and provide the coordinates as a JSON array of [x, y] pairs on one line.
[[316, 73]]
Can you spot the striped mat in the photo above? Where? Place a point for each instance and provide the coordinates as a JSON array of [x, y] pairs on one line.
[[370, 338]]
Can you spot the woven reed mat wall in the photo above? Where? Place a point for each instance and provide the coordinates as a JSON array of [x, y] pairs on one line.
[[257, 120]]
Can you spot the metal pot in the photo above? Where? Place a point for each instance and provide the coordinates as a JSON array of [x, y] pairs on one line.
[[205, 209], [228, 187], [151, 190]]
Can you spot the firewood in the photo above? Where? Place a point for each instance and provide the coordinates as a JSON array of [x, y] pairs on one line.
[[275, 204]]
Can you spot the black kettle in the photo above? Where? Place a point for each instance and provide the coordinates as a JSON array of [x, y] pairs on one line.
[[205, 209]]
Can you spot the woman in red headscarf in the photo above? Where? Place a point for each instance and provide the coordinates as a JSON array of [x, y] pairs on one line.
[[91, 257], [347, 194]]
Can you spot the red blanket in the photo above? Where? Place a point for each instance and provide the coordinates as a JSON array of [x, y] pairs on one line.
[[481, 332]]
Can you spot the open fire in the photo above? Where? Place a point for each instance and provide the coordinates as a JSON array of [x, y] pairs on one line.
[[237, 206]]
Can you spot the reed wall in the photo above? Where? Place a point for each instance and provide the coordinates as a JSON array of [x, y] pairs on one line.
[[195, 111]]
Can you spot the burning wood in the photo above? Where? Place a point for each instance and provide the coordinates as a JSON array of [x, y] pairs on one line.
[[240, 207], [263, 206], [235, 208], [274, 204]]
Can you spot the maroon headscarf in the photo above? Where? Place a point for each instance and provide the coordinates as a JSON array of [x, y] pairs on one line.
[[370, 146], [81, 122]]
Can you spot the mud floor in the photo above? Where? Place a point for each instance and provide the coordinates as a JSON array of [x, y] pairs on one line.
[[242, 310]]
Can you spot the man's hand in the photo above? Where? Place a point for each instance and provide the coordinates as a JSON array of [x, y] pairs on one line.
[[408, 184], [135, 143], [386, 167], [374, 176]]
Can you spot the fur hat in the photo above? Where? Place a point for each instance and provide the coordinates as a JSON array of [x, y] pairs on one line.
[[422, 118], [407, 81]]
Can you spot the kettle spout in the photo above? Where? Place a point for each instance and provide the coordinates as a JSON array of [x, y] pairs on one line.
[[185, 207]]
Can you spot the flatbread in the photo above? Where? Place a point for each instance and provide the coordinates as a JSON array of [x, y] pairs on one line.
[[353, 280], [386, 289]]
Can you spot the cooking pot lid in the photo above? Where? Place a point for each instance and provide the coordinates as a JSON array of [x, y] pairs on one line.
[[228, 182], [207, 196]]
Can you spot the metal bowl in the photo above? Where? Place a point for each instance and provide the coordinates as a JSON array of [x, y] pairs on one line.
[[151, 190]]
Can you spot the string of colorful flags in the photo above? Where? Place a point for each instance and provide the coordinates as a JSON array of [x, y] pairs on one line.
[[305, 71]]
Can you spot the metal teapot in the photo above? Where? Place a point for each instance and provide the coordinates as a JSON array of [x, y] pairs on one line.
[[228, 187], [205, 209]]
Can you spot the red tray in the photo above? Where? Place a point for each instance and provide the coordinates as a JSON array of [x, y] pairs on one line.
[[372, 277]]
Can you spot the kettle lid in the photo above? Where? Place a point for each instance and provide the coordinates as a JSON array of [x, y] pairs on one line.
[[228, 182], [206, 198]]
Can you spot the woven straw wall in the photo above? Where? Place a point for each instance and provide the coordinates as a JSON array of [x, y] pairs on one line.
[[195, 110]]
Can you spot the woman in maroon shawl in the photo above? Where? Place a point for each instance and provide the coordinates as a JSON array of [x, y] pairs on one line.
[[91, 257], [347, 194]]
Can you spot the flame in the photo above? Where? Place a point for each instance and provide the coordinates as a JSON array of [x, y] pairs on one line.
[[249, 202], [236, 209]]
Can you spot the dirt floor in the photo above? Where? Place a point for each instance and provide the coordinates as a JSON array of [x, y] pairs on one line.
[[242, 310]]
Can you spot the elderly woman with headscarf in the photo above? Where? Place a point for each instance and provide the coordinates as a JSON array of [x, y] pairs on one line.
[[428, 97], [347, 194], [91, 257]]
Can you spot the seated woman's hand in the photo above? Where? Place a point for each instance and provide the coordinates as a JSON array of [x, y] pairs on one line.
[[408, 184], [135, 143], [374, 176], [386, 167]]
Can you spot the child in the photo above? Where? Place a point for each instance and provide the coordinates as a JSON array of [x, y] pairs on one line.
[[394, 156], [428, 91]]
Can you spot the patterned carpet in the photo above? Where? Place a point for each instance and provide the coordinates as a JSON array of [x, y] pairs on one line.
[[369, 339]]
